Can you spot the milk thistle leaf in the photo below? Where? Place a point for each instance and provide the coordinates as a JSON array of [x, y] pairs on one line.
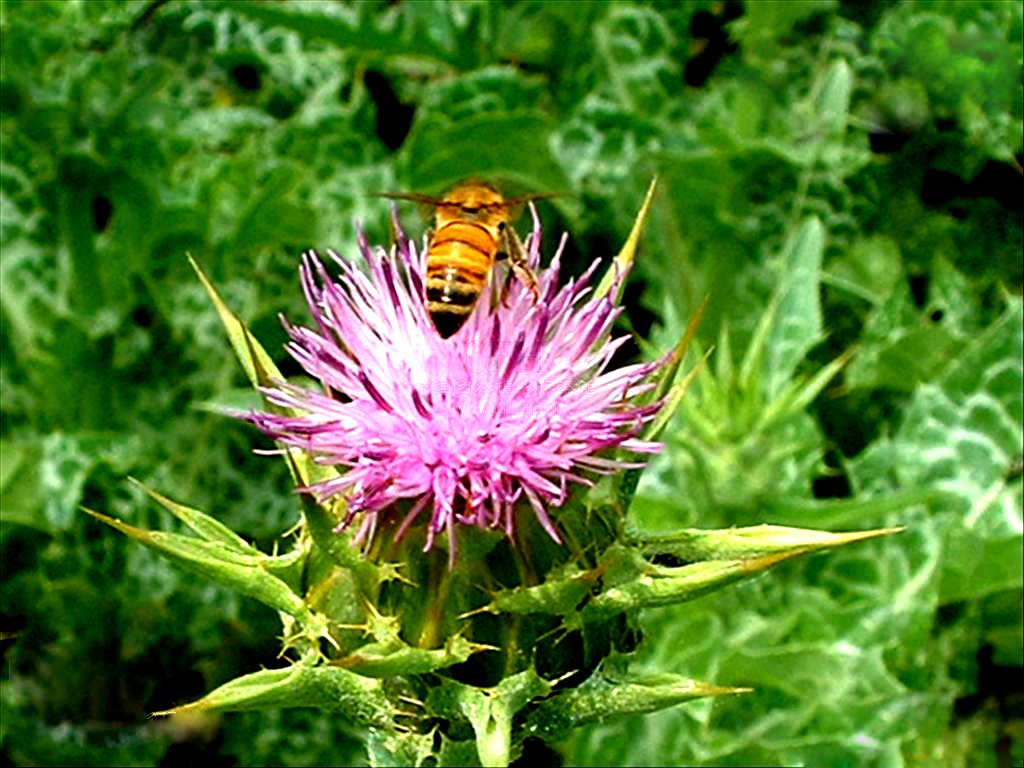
[[601, 697], [560, 594], [209, 528], [358, 698], [258, 365], [624, 260], [796, 324], [490, 711], [247, 574], [259, 369], [389, 659], [754, 542], [705, 561]]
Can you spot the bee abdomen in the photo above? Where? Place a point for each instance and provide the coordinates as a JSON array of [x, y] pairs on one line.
[[458, 264]]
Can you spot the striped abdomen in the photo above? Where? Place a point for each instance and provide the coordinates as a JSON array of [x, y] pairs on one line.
[[458, 265]]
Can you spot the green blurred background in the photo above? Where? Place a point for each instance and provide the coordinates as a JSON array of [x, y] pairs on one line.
[[890, 133]]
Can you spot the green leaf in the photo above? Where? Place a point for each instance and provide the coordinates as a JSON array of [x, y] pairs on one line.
[[796, 325], [322, 524], [703, 561], [271, 217], [912, 356], [960, 435], [210, 529], [758, 541], [667, 586], [394, 747], [765, 24], [668, 388], [490, 710], [511, 146], [357, 698], [394, 657], [790, 510], [625, 257], [19, 483], [262, 372], [832, 103], [359, 29], [79, 173], [601, 697], [223, 564], [869, 269], [43, 478], [560, 594], [258, 365]]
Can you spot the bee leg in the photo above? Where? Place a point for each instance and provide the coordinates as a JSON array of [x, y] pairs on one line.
[[502, 254], [517, 261], [506, 284]]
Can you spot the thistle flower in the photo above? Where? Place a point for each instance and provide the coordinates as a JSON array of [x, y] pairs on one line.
[[517, 405]]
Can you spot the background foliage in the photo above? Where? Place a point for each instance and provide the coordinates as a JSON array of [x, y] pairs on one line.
[[842, 179]]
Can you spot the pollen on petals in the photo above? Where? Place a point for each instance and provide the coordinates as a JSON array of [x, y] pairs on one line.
[[499, 419]]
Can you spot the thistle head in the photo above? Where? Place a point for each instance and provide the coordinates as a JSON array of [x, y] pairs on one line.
[[504, 417]]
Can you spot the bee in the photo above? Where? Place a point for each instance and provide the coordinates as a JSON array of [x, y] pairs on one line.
[[471, 232]]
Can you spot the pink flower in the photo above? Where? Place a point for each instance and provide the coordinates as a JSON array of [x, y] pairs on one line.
[[514, 407]]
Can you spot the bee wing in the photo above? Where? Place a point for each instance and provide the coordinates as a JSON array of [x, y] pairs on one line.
[[515, 204], [427, 204], [411, 196]]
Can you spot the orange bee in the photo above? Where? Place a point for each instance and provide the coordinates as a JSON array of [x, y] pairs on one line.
[[471, 232]]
